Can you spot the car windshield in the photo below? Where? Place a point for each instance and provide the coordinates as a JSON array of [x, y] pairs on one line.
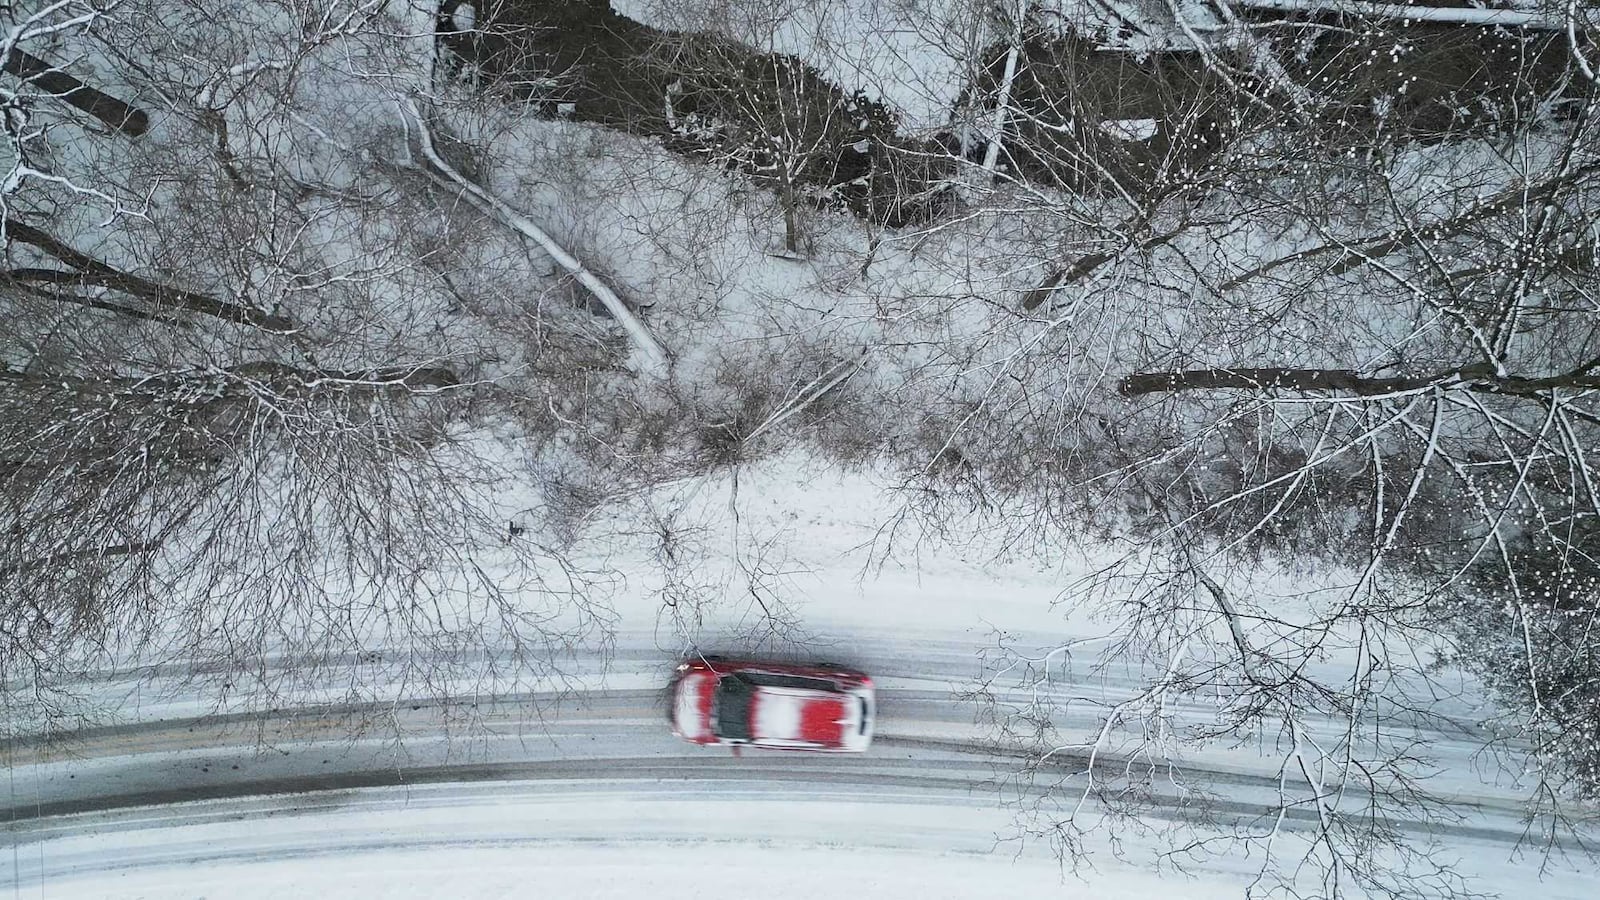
[[772, 679], [733, 708]]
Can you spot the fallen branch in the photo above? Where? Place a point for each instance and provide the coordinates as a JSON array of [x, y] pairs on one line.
[[654, 360], [810, 394], [1084, 265]]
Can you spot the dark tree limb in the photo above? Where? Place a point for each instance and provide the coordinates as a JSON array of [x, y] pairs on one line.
[[1084, 265], [18, 276], [407, 377], [108, 109], [1479, 378], [55, 560], [274, 376], [92, 272], [1034, 298], [1356, 253]]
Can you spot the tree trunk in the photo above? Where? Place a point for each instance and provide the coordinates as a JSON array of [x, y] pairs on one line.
[[1481, 378], [93, 272], [1002, 100], [53, 81], [791, 216]]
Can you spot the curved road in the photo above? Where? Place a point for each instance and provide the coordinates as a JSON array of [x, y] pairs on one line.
[[612, 741]]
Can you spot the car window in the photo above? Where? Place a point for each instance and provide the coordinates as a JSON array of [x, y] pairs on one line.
[[733, 709], [770, 679]]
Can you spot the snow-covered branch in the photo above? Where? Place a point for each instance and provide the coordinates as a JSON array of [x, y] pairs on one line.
[[650, 358], [1465, 15]]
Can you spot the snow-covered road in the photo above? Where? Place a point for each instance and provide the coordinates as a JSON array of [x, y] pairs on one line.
[[614, 728], [576, 782], [158, 791]]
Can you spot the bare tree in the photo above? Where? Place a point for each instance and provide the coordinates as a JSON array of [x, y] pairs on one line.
[[1225, 286], [1282, 306], [247, 369]]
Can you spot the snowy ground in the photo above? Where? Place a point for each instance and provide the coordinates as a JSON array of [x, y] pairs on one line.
[[587, 793], [573, 784], [663, 835], [583, 844], [906, 54]]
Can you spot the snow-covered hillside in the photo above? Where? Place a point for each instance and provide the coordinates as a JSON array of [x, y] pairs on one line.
[[1185, 411]]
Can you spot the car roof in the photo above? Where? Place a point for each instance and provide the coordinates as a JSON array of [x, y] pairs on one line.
[[791, 714]]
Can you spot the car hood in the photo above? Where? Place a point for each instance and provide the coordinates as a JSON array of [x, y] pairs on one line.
[[691, 707]]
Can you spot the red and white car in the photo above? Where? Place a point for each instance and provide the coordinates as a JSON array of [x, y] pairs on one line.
[[725, 702]]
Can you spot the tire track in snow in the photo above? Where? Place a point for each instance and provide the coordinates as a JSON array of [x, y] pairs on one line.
[[902, 762], [894, 780]]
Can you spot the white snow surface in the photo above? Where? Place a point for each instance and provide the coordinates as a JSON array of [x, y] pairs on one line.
[[1474, 15], [903, 52], [597, 799], [583, 847], [591, 844], [635, 813]]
